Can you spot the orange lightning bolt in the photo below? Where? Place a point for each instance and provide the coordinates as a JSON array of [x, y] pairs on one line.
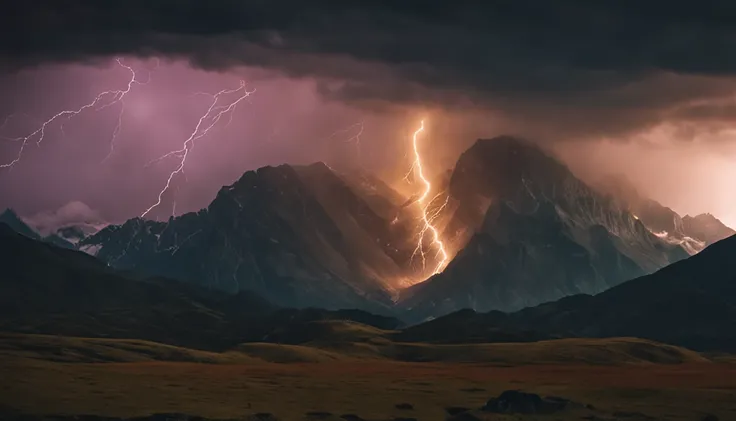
[[427, 218]]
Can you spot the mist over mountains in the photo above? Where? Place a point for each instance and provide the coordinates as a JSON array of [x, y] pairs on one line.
[[535, 232], [522, 229]]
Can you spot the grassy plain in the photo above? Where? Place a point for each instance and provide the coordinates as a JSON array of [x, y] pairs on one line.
[[156, 378]]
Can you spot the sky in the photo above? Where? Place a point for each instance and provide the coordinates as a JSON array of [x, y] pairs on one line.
[[646, 90]]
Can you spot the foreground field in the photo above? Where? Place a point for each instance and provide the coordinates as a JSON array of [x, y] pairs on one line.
[[358, 343], [370, 388]]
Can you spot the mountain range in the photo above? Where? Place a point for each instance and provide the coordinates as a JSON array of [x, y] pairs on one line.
[[299, 236], [46, 289], [522, 230]]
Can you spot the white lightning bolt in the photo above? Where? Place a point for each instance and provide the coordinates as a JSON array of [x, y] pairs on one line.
[[428, 217], [206, 122], [103, 100]]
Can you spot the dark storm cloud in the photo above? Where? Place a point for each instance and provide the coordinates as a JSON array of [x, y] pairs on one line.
[[644, 71], [545, 49]]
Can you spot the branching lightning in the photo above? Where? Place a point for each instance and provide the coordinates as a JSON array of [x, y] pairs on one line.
[[204, 125], [428, 217], [354, 138], [103, 100]]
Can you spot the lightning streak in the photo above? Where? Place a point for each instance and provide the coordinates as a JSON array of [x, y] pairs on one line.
[[428, 217], [355, 138], [204, 125], [103, 100]]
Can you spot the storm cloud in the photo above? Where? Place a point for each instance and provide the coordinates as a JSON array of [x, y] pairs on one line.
[[647, 82], [620, 57]]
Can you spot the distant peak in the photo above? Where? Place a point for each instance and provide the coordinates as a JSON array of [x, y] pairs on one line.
[[704, 218], [318, 167], [508, 160], [10, 212], [320, 164], [507, 141], [507, 145]]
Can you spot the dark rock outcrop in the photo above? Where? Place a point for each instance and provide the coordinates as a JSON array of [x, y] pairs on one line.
[[516, 402]]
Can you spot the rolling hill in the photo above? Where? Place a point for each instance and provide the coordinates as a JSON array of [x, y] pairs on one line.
[[46, 289]]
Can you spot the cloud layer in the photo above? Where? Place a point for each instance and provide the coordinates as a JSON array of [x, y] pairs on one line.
[[612, 66], [658, 78]]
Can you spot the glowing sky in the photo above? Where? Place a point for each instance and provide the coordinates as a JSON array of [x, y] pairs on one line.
[[654, 104]]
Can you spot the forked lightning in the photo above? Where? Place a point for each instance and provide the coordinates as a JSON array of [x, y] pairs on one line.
[[204, 125], [101, 101]]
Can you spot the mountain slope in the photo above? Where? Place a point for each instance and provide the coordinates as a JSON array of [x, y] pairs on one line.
[[50, 290], [693, 233], [10, 218], [690, 303], [47, 289], [299, 236], [534, 233], [706, 228]]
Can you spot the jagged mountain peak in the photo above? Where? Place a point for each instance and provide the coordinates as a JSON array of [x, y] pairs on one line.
[[297, 234], [502, 162], [692, 233], [528, 231], [9, 213], [525, 176], [704, 217], [706, 227]]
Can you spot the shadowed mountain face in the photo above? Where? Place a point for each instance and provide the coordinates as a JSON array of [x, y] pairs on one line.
[[534, 233], [12, 220], [526, 229], [300, 236], [50, 290], [690, 303]]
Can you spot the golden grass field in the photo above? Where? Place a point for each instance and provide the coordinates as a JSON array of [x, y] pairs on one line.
[[44, 374]]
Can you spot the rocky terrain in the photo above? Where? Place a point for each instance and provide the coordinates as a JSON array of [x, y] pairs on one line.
[[535, 233], [692, 232], [521, 230], [299, 236]]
